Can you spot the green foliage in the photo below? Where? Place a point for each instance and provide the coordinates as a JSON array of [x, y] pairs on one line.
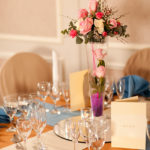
[[79, 40], [101, 63]]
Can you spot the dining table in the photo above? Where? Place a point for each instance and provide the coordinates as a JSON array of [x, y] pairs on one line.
[[5, 137]]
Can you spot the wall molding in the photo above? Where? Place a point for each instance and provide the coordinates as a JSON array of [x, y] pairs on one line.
[[57, 39], [127, 46]]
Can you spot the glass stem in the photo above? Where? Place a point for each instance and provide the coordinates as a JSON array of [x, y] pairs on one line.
[[38, 137], [55, 105], [25, 145], [74, 145], [67, 105]]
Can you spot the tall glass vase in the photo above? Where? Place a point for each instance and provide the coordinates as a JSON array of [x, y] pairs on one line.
[[96, 57]]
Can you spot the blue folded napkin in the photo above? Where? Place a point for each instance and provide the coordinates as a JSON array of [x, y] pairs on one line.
[[3, 116], [136, 85]]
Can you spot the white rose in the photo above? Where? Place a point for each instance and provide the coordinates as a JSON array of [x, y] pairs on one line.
[[77, 24], [99, 25]]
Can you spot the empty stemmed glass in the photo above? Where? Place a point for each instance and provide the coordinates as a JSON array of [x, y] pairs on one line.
[[86, 132], [24, 129], [87, 113], [43, 91], [100, 129], [66, 95], [74, 128], [120, 88], [10, 107], [39, 123], [55, 94], [24, 105], [109, 88]]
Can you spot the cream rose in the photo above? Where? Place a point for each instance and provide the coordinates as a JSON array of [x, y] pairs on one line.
[[77, 24], [99, 24]]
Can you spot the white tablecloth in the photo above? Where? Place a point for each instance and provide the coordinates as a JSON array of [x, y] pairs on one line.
[[51, 141]]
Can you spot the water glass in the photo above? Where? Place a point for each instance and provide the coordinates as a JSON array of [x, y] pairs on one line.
[[39, 123], [120, 88], [10, 107], [55, 94], [24, 129]]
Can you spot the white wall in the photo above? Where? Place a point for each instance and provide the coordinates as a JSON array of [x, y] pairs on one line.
[[72, 55]]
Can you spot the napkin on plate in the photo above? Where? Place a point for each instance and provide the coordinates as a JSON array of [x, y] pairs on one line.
[[3, 116], [136, 85]]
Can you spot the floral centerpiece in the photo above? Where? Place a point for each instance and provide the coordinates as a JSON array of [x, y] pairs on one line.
[[94, 26]]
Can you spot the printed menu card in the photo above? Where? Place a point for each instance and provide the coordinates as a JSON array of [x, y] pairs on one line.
[[128, 125]]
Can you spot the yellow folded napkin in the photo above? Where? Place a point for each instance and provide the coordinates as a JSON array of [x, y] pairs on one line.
[[130, 99], [79, 90]]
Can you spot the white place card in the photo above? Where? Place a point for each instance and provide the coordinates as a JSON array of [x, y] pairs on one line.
[[128, 125]]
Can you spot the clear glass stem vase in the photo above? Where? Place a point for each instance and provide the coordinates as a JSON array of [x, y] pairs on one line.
[[96, 57]]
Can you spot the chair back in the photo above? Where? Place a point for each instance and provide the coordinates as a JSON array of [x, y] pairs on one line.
[[138, 64], [21, 72]]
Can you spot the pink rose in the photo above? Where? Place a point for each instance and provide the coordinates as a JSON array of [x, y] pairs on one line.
[[83, 13], [99, 15], [104, 33], [86, 25], [113, 23], [73, 33], [100, 71], [93, 5], [99, 54]]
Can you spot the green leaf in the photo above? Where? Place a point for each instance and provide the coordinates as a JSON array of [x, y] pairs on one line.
[[86, 40], [127, 35], [79, 40], [101, 63]]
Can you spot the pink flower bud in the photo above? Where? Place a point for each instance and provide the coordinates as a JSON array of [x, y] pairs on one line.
[[83, 13], [115, 32], [73, 33], [104, 33], [100, 71], [93, 5], [99, 15], [113, 23]]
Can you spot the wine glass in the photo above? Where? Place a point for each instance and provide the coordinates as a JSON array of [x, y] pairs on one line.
[[86, 113], [43, 91], [24, 105], [148, 131], [100, 130], [86, 133], [66, 95], [24, 129], [39, 123], [74, 129], [108, 94], [120, 87], [55, 94], [10, 107]]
